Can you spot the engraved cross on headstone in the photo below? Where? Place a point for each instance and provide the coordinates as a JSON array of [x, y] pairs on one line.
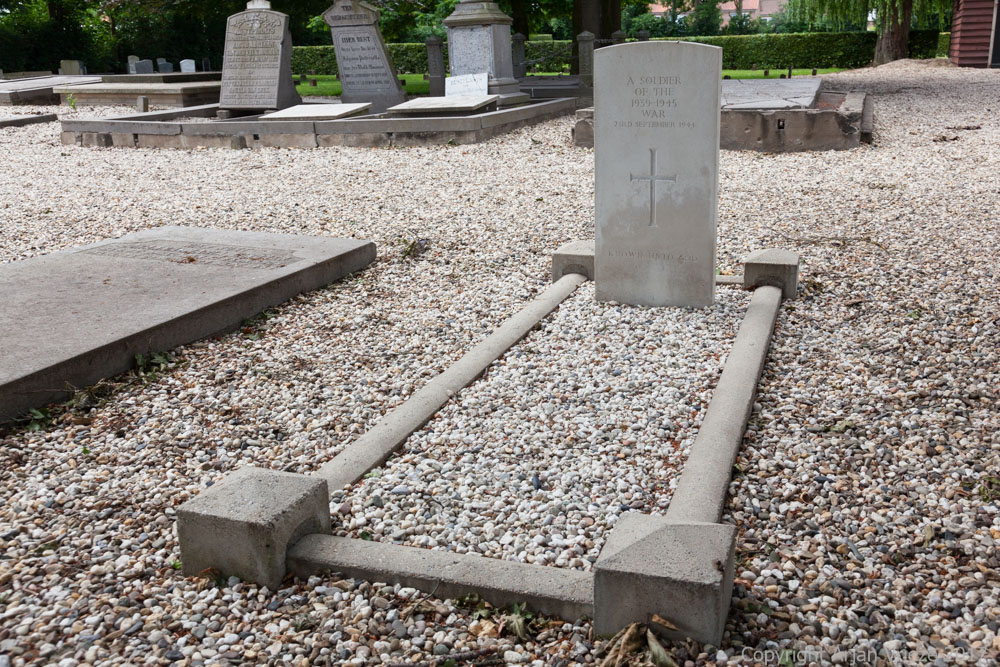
[[653, 178]]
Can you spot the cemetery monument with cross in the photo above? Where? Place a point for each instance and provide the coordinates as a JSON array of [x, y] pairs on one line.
[[656, 196]]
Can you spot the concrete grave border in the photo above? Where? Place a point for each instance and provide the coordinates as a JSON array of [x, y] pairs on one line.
[[678, 567], [21, 121], [168, 130]]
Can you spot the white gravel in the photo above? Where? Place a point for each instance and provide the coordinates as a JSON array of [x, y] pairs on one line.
[[592, 415], [868, 518]]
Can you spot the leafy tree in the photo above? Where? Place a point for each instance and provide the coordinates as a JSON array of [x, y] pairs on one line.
[[892, 19], [706, 18]]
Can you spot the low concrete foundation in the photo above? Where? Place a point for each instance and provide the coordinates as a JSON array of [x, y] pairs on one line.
[[774, 267], [837, 121]]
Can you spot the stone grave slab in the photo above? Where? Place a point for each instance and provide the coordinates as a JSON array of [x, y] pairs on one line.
[[467, 84], [363, 64], [656, 154], [770, 93], [39, 90], [257, 65], [76, 316], [318, 111], [454, 104]]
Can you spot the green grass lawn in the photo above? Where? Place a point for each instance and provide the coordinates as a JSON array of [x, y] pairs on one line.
[[329, 86]]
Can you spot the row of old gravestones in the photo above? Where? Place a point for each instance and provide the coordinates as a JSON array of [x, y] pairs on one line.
[[137, 66], [256, 73]]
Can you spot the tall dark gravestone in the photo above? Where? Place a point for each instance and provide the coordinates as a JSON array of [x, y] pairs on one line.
[[363, 65], [257, 65]]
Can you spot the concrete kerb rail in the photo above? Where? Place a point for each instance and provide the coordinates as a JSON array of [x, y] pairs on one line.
[[677, 567]]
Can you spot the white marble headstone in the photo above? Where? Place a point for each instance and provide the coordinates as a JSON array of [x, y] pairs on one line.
[[467, 84], [656, 149], [187, 65]]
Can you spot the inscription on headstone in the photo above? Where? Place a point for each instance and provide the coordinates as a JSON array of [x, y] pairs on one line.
[[467, 84], [257, 66], [364, 68], [656, 167]]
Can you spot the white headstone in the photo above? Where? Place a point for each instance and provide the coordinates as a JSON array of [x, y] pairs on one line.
[[132, 60], [656, 153], [467, 84], [188, 66]]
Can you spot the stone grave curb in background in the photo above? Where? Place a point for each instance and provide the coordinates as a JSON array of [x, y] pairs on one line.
[[21, 121], [162, 129], [687, 577]]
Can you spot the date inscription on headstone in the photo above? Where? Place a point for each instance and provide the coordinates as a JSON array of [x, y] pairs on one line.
[[656, 165]]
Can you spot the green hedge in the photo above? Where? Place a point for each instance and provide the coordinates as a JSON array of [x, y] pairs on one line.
[[944, 44], [802, 50]]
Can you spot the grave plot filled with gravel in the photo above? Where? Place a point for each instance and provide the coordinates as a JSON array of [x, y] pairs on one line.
[[866, 493], [591, 415]]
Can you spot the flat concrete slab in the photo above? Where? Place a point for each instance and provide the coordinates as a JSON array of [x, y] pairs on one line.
[[770, 93], [74, 317], [159, 94], [319, 111], [21, 121], [39, 90], [453, 104]]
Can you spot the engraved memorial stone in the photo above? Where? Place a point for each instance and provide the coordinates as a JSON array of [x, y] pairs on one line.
[[72, 67], [467, 84], [188, 66], [364, 68], [164, 67], [132, 60], [143, 67], [479, 41], [657, 172], [257, 65]]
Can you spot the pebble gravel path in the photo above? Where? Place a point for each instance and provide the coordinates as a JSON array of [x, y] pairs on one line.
[[868, 486]]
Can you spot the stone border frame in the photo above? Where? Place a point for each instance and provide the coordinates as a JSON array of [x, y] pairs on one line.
[[678, 567], [162, 129]]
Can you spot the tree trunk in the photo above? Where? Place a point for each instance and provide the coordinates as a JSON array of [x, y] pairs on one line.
[[893, 32], [519, 12]]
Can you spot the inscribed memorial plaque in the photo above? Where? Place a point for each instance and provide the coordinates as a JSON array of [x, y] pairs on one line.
[[257, 65], [363, 65], [657, 171]]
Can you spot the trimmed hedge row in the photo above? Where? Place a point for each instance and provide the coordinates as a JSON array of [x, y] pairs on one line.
[[803, 50], [944, 44]]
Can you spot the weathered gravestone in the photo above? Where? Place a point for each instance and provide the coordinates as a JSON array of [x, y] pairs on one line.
[[257, 66], [657, 172], [72, 67], [363, 65], [164, 67], [206, 65], [143, 67], [132, 60], [74, 317], [479, 41], [435, 65], [188, 66]]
